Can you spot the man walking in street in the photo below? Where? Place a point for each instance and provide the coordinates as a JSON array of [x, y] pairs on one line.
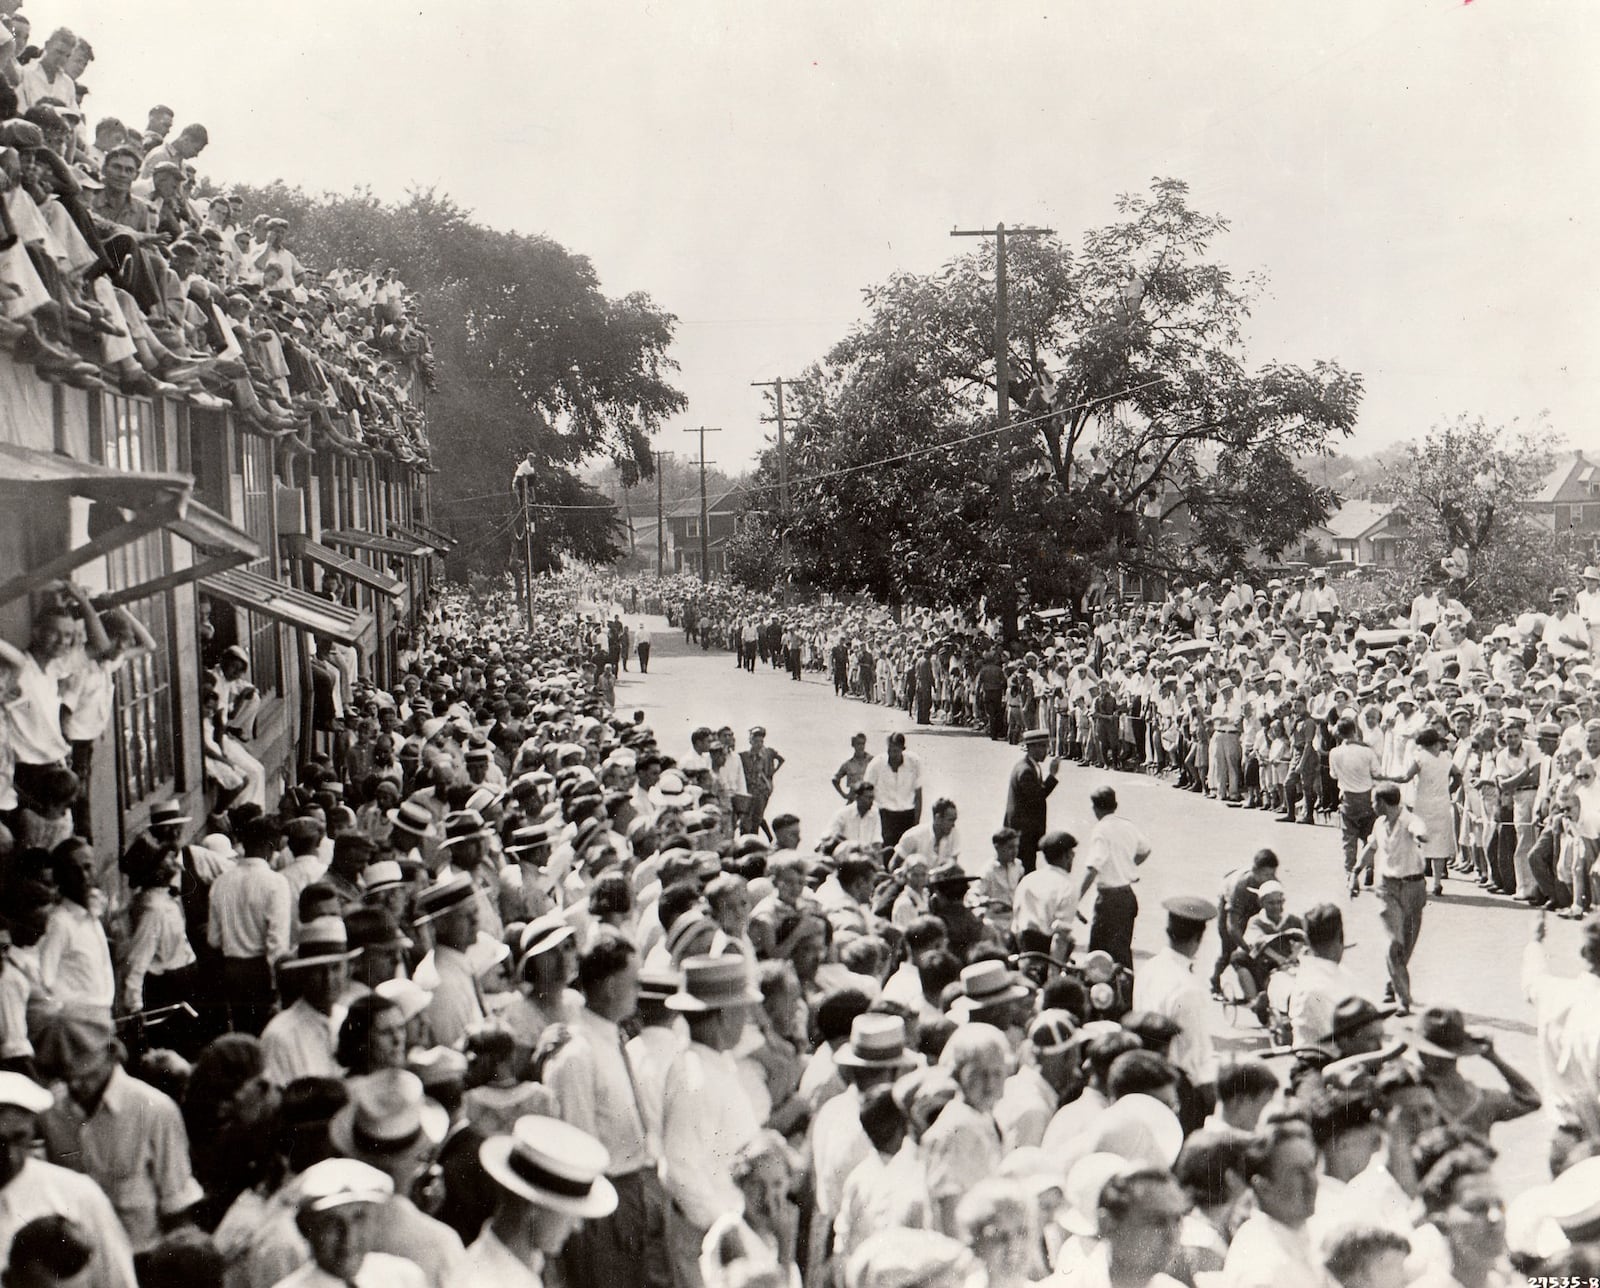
[[641, 645], [1115, 849], [1395, 855], [1027, 795], [1353, 764]]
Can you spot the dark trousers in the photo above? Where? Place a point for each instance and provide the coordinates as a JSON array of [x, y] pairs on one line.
[[895, 824], [1404, 898], [83, 767], [1542, 861], [644, 659], [1112, 930], [992, 710], [1028, 848], [1355, 825], [249, 993], [1503, 849], [627, 1249]]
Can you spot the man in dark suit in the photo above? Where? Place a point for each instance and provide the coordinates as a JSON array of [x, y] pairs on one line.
[[1028, 793]]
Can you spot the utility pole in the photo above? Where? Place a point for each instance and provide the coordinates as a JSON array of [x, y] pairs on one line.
[[1002, 372], [705, 536], [661, 522], [776, 385], [1002, 339]]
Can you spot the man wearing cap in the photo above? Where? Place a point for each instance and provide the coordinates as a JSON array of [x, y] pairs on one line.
[[1566, 633], [593, 1080], [705, 1118], [249, 922], [300, 1041], [336, 1202], [451, 908], [31, 1188], [897, 779], [1045, 909], [123, 1133], [549, 1176], [1049, 1074], [1028, 793], [1167, 985]]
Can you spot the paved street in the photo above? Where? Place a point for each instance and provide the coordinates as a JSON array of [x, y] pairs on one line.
[[1471, 944]]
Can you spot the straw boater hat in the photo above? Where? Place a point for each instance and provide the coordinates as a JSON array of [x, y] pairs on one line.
[[388, 1114], [385, 874], [989, 983], [551, 1164], [413, 817], [876, 1042], [443, 896], [715, 983], [323, 941], [167, 814]]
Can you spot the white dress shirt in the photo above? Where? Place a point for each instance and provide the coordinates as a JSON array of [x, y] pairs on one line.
[[850, 824], [1315, 987], [250, 914], [594, 1090], [489, 1261], [1046, 900], [1114, 850], [74, 958], [43, 1189], [300, 1043], [378, 1270], [1568, 1018], [705, 1122], [897, 788], [1167, 985]]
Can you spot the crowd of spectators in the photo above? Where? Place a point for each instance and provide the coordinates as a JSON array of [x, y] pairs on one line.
[[121, 269], [506, 990], [1245, 694]]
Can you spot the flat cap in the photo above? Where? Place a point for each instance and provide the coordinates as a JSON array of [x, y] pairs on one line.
[[1190, 907]]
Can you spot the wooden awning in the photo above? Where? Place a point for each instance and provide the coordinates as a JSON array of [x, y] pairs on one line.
[[402, 533], [441, 541], [149, 502], [352, 540], [298, 608], [354, 569], [218, 546]]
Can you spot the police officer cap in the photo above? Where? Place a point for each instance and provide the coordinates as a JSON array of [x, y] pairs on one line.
[[1190, 907]]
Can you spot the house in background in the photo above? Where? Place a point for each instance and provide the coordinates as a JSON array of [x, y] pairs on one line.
[[1366, 532], [1569, 500], [724, 512]]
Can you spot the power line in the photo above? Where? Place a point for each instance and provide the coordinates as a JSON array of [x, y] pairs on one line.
[[948, 443]]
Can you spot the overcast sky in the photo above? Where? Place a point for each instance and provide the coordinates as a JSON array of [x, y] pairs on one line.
[[1418, 177]]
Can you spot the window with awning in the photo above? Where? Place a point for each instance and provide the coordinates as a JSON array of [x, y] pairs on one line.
[[298, 608], [333, 561], [351, 540], [129, 506], [403, 533]]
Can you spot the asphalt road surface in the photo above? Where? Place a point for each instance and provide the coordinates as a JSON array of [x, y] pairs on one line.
[[1469, 954]]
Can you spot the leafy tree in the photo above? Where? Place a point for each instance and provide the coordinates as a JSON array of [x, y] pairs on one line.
[[1462, 495], [1143, 440], [531, 356]]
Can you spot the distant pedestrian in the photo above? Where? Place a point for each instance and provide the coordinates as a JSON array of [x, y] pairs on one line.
[[641, 644]]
